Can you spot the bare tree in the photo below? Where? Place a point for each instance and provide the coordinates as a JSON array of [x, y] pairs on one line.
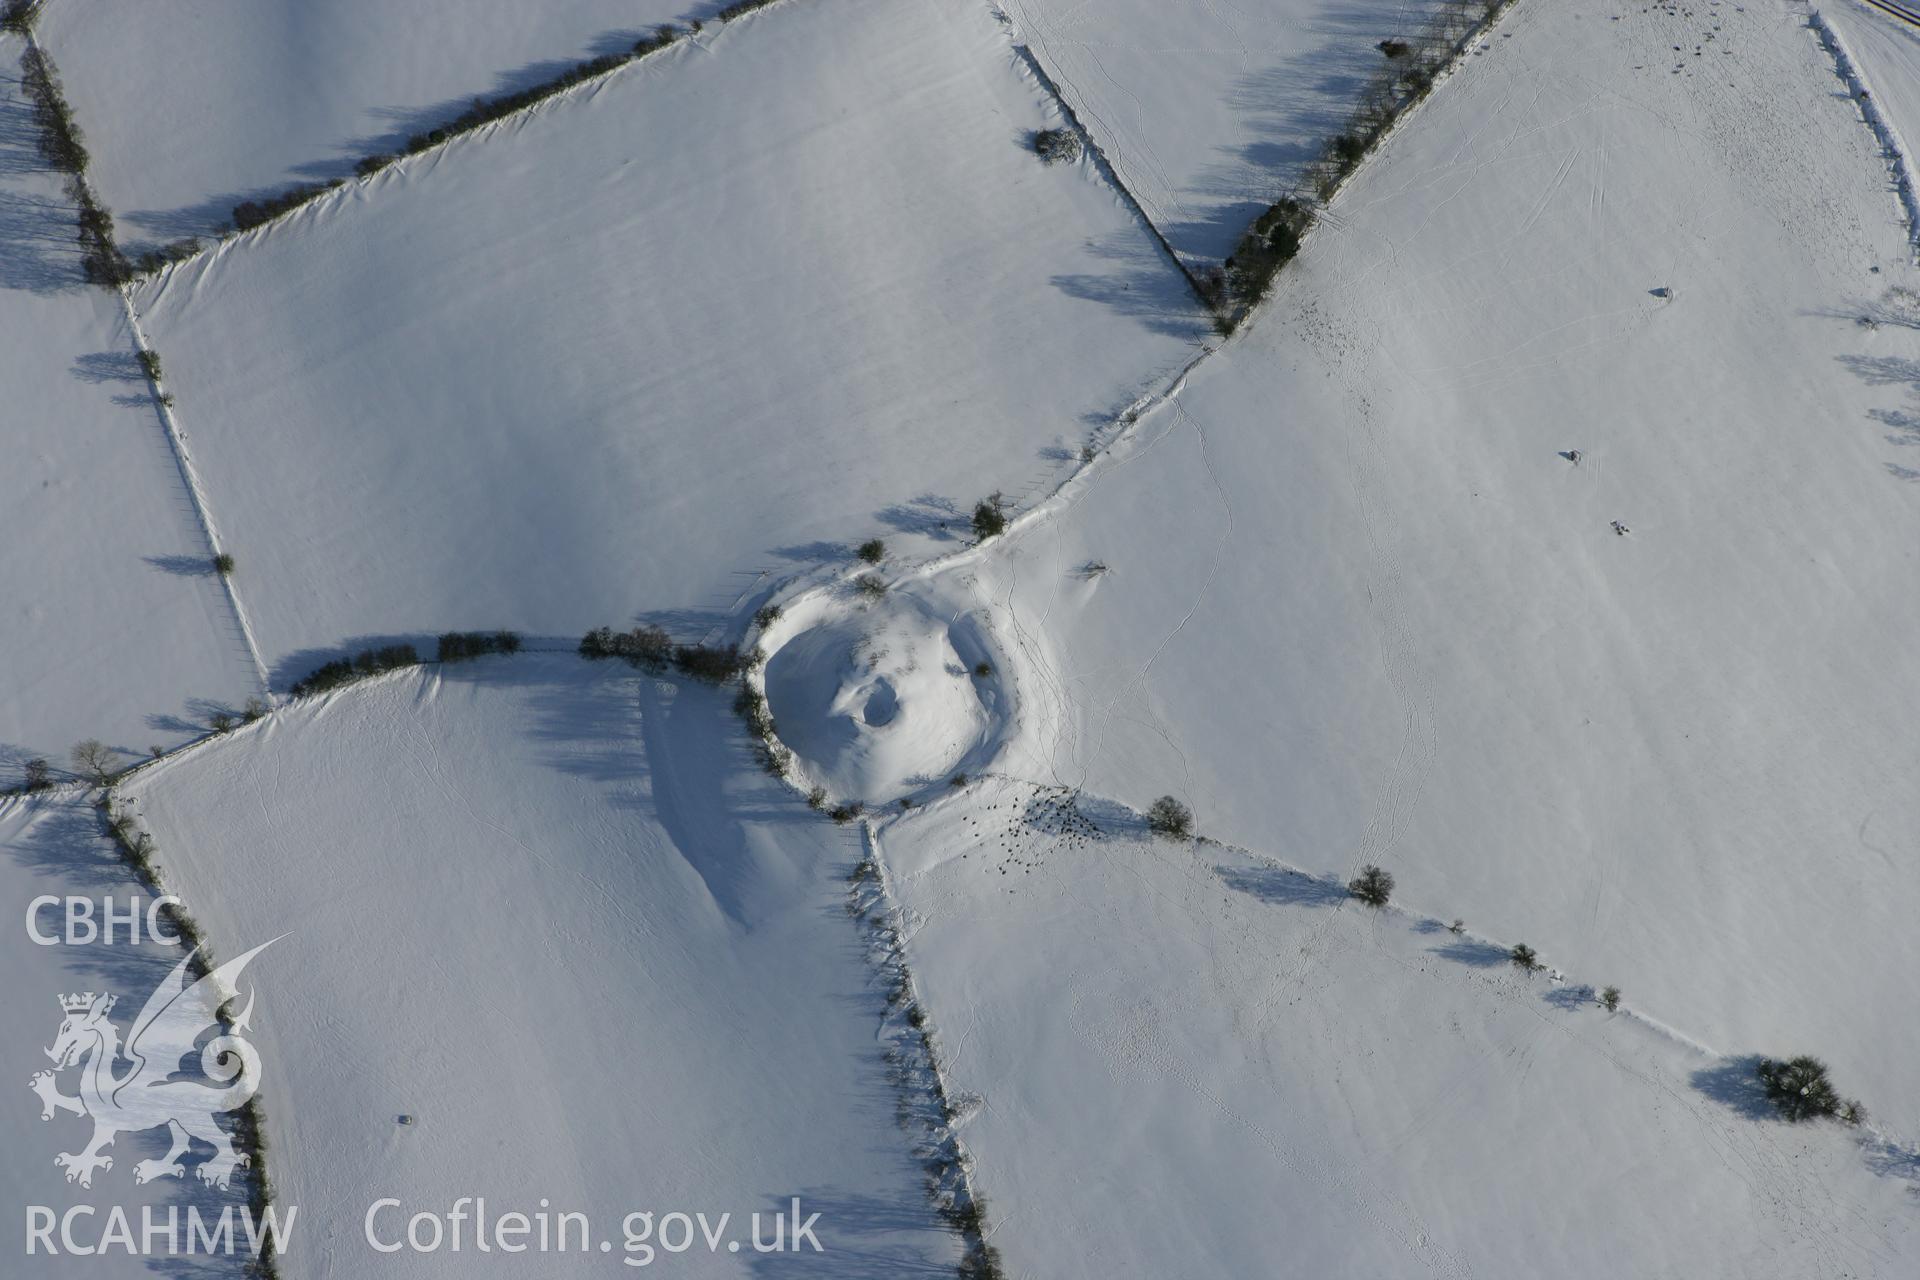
[[93, 760]]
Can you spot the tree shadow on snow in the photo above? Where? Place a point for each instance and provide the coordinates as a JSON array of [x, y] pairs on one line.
[[39, 249], [1891, 1160], [1142, 285], [814, 552], [929, 516], [672, 749], [1282, 887], [1289, 109], [1572, 996], [1734, 1085], [301, 663], [109, 366], [862, 1237], [67, 852], [214, 215], [182, 566], [1478, 955], [1903, 424]]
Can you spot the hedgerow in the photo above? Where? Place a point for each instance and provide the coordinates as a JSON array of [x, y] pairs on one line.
[[63, 147], [368, 662], [249, 214], [463, 646], [648, 648], [1410, 70]]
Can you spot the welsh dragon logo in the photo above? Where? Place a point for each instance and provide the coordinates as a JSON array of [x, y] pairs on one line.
[[152, 1091]]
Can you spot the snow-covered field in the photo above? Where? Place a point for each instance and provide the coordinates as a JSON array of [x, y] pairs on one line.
[[240, 99], [1210, 109], [1881, 47], [537, 906], [1358, 606], [112, 623], [1548, 537], [583, 365], [54, 846], [1186, 1062]]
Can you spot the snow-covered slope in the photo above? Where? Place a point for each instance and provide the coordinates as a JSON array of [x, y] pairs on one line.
[[1357, 605], [715, 318], [1178, 1060], [1211, 109], [194, 105], [54, 846], [112, 623], [537, 906], [1880, 49]]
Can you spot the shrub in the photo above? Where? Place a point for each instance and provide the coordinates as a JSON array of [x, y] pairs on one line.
[[739, 7], [714, 664], [1851, 1112], [223, 564], [766, 615], [149, 363], [1523, 956], [1347, 148], [957, 780], [1458, 926], [93, 760], [873, 551], [368, 662], [1798, 1088], [486, 110], [649, 648], [37, 774], [61, 145], [151, 260], [662, 37], [60, 141], [772, 757], [1394, 48], [463, 646], [1269, 244], [817, 799], [1610, 999], [1056, 145], [18, 16], [249, 214], [220, 721], [751, 705], [983, 668], [254, 709], [989, 518], [1372, 886], [101, 261], [1168, 817], [846, 811], [869, 585], [370, 165]]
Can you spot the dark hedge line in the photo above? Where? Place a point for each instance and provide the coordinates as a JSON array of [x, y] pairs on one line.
[[1410, 71], [253, 213], [462, 646], [369, 662]]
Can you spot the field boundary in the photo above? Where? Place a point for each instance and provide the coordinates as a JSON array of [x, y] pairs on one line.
[[485, 111], [1892, 146]]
